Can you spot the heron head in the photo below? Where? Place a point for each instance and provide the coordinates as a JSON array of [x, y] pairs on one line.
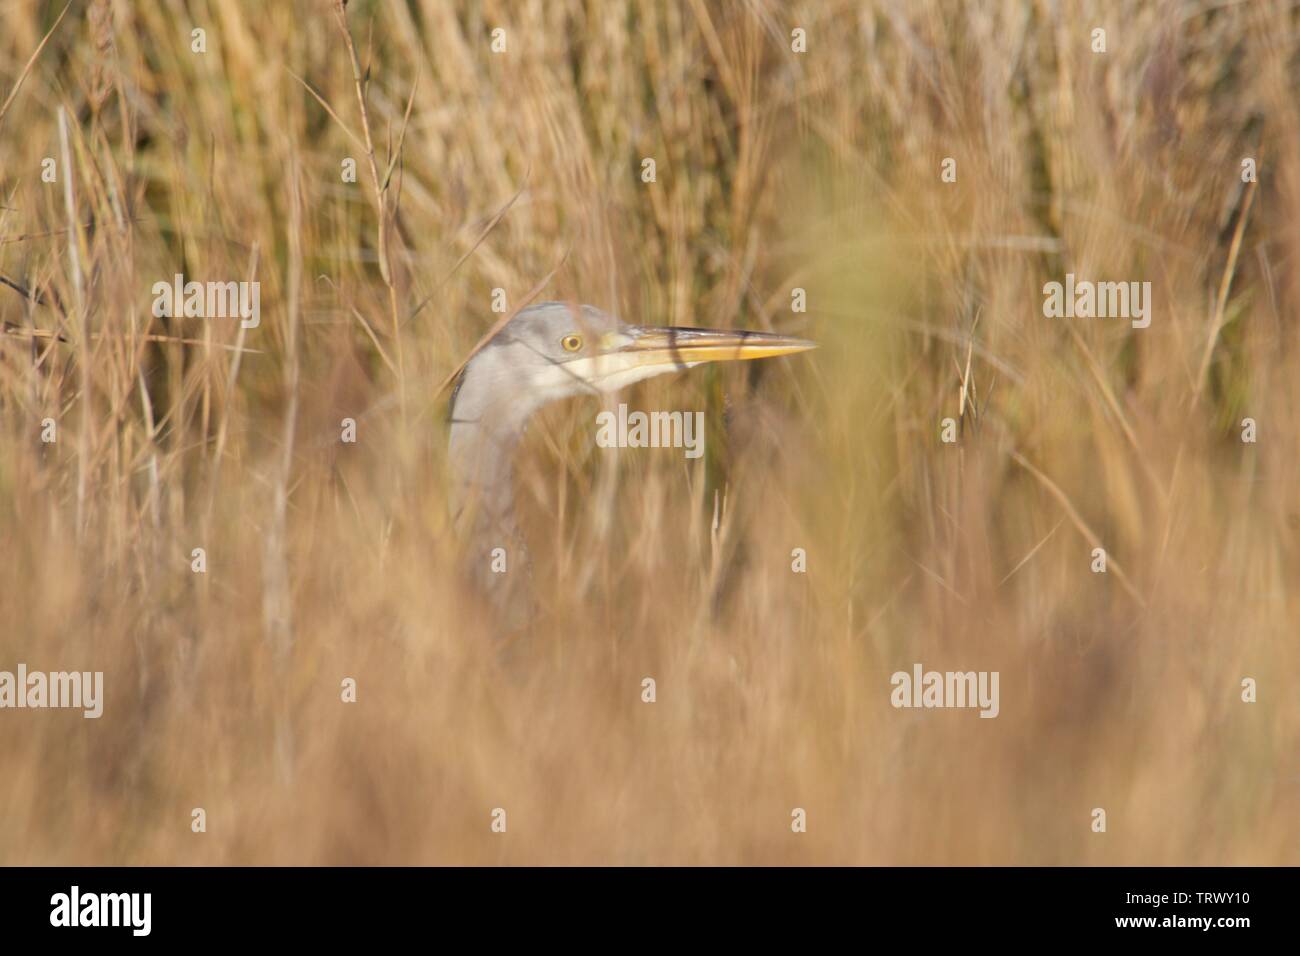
[[553, 350]]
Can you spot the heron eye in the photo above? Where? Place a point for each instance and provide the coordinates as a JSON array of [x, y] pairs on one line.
[[571, 343]]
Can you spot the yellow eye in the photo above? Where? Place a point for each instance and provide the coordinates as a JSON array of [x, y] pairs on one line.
[[571, 342]]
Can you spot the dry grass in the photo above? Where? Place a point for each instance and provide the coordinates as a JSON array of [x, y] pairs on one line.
[[774, 170]]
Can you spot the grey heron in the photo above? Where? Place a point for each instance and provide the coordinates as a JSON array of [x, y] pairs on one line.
[[545, 353]]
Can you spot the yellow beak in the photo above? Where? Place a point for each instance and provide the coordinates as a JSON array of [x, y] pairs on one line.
[[686, 347]]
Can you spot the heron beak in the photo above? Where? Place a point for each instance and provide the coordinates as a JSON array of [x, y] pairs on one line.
[[682, 347]]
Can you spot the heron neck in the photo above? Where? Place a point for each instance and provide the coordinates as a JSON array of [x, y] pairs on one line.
[[488, 419], [482, 479]]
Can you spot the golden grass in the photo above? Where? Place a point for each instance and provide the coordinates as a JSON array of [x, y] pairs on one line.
[[775, 170]]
